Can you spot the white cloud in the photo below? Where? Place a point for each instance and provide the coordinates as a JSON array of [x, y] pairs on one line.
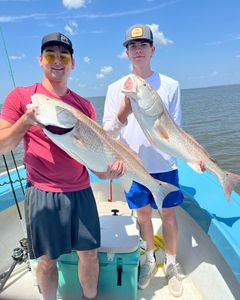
[[68, 29], [17, 57], [213, 74], [106, 69], [129, 12], [100, 75], [122, 55], [86, 59], [232, 39], [73, 24], [97, 31], [71, 28], [82, 85], [74, 3], [49, 25], [8, 19], [158, 36], [15, 0], [81, 3]]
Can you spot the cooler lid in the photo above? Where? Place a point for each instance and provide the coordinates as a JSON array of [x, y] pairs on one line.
[[119, 234]]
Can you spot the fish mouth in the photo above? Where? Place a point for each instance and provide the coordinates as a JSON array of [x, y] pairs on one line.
[[58, 130]]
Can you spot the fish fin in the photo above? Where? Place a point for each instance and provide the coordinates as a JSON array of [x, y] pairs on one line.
[[161, 130], [195, 166], [163, 133], [228, 182], [126, 183], [161, 192]]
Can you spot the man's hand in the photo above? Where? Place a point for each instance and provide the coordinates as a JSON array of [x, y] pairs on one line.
[[114, 170], [125, 109], [202, 166], [30, 116]]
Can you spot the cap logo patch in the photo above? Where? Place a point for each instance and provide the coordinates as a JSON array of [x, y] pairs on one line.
[[136, 32], [65, 39]]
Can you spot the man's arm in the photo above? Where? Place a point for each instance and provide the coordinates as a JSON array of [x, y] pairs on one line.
[[11, 134], [116, 121], [125, 109]]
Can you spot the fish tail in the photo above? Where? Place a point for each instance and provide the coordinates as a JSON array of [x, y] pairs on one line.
[[161, 190], [229, 181]]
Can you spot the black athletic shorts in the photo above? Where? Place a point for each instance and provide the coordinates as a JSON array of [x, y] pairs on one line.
[[59, 222]]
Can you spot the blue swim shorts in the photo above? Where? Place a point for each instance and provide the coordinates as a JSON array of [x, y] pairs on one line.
[[140, 196], [58, 223]]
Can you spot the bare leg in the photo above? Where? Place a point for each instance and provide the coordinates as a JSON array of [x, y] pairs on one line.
[[148, 268], [88, 270], [144, 216], [170, 230], [170, 235], [47, 277]]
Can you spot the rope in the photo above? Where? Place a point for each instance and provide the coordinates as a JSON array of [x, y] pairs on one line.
[[158, 244], [12, 181]]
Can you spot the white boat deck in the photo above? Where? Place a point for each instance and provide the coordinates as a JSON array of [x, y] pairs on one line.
[[20, 286], [201, 262]]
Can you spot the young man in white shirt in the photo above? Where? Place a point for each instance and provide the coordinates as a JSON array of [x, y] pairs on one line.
[[119, 121]]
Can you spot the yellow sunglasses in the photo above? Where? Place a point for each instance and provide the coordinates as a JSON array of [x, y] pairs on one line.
[[50, 57]]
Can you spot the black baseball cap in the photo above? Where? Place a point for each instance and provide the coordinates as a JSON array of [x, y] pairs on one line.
[[138, 32], [56, 38]]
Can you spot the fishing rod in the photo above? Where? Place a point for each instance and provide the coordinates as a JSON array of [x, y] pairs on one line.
[[11, 152], [14, 194], [20, 254]]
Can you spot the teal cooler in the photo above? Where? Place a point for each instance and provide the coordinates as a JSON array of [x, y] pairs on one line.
[[118, 259]]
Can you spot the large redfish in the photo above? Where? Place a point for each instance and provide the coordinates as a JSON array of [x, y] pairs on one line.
[[164, 134], [88, 143]]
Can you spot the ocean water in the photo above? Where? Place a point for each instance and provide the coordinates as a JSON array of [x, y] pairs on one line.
[[211, 115]]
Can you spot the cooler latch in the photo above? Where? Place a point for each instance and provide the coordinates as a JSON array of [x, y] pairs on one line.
[[119, 271], [119, 275]]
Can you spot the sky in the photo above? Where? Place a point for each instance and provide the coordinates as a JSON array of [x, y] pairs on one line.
[[197, 41]]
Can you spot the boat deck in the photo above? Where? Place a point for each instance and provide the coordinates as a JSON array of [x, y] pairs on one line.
[[208, 276], [20, 286]]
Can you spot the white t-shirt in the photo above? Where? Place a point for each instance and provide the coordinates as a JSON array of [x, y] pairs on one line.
[[154, 160]]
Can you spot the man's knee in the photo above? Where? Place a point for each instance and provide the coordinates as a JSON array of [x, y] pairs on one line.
[[88, 256], [144, 214], [46, 265], [169, 217]]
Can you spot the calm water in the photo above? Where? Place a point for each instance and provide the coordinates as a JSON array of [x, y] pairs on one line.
[[211, 115]]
